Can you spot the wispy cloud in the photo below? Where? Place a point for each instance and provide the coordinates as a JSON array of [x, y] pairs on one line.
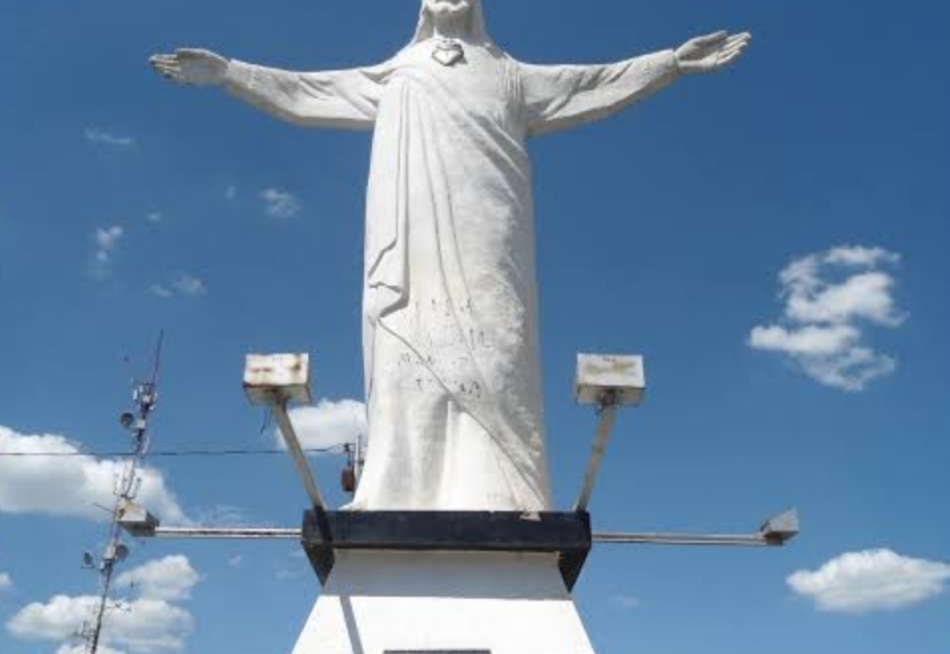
[[279, 203], [235, 561], [230, 192], [70, 484], [829, 299], [106, 240], [100, 137], [189, 285], [155, 217], [171, 578], [328, 424], [628, 602], [81, 649], [160, 290], [183, 285], [284, 574], [6, 581], [876, 580]]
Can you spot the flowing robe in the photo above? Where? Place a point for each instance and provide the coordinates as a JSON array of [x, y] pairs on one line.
[[452, 368]]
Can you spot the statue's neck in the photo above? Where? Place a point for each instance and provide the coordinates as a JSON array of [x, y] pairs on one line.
[[452, 27]]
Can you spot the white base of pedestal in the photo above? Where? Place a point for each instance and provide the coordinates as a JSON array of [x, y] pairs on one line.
[[503, 603]]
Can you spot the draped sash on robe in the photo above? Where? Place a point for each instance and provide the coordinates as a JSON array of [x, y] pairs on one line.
[[450, 307]]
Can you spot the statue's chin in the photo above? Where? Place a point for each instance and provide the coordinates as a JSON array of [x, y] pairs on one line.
[[448, 10]]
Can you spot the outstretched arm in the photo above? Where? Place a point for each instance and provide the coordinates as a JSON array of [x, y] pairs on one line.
[[344, 99], [561, 97]]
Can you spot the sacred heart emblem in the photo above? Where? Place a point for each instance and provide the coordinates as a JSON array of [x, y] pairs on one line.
[[448, 53]]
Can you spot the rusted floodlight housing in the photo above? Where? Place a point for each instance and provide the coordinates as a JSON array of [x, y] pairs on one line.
[[277, 378], [613, 379], [781, 529]]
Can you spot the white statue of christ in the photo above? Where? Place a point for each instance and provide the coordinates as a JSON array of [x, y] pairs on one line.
[[452, 371]]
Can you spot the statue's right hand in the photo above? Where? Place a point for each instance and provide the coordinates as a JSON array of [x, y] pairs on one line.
[[191, 66]]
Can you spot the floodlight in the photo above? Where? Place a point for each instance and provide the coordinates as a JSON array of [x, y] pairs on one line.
[[275, 380], [137, 520], [609, 379], [127, 420], [271, 379], [781, 529]]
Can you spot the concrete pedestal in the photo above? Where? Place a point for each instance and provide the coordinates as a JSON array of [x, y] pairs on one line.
[[499, 602]]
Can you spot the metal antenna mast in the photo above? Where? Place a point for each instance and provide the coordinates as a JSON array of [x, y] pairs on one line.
[[145, 399]]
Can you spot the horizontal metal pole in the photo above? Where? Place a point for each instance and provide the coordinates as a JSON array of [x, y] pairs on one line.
[[266, 533], [226, 533], [754, 540]]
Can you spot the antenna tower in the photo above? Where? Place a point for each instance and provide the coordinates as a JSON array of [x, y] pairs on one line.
[[145, 400]]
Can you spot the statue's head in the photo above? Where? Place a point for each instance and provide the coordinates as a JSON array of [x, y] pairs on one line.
[[469, 11]]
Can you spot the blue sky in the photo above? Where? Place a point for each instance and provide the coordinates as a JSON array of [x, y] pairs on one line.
[[127, 205]]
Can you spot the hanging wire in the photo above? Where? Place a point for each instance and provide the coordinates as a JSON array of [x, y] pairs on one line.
[[173, 453]]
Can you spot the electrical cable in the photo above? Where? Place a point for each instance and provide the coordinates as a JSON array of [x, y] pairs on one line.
[[170, 453]]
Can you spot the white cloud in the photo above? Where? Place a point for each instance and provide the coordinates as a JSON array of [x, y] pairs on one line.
[[874, 580], [855, 255], [850, 370], [235, 561], [284, 575], [171, 578], [183, 285], [280, 203], [811, 340], [189, 285], [71, 484], [5, 581], [863, 296], [829, 298], [328, 424], [142, 626], [106, 239], [97, 136], [160, 290], [155, 217], [628, 602], [81, 649]]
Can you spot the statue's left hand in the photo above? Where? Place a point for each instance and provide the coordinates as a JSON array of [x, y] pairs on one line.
[[710, 53], [191, 66]]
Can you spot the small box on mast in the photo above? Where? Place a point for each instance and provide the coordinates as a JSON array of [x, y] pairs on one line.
[[276, 378], [609, 379]]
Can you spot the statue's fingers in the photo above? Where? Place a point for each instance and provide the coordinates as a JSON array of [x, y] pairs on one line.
[[728, 52], [191, 53], [169, 72], [734, 48], [728, 59], [175, 76], [738, 39], [732, 44], [163, 66], [711, 39], [156, 60]]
